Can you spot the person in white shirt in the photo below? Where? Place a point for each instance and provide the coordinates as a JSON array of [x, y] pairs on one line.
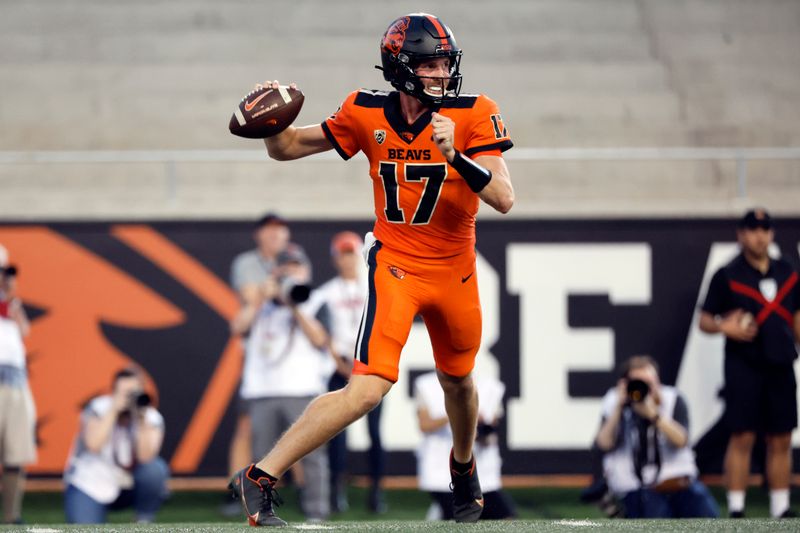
[[286, 366], [644, 434], [17, 411], [433, 474], [114, 461], [249, 270], [344, 296]]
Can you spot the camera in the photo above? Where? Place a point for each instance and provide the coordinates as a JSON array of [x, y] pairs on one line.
[[294, 292], [637, 390], [140, 399]]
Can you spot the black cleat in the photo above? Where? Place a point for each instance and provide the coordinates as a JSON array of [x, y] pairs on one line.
[[736, 514], [257, 496], [788, 513], [467, 495]]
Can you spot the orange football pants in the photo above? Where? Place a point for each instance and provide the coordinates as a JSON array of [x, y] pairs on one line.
[[443, 292]]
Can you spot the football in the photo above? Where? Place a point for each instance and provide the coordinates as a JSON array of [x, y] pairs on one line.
[[265, 112]]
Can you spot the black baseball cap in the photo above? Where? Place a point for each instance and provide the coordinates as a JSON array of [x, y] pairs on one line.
[[756, 218], [270, 218]]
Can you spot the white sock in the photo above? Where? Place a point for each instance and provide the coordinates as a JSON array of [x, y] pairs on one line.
[[778, 502], [735, 500]]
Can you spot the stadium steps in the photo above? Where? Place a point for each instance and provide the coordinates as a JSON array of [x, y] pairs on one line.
[[89, 75]]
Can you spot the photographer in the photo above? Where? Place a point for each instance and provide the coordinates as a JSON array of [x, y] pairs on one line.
[[433, 473], [114, 461], [286, 366], [648, 463], [249, 270], [17, 412]]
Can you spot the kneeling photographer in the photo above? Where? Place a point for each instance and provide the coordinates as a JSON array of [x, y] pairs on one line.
[[114, 461], [286, 366], [648, 463]]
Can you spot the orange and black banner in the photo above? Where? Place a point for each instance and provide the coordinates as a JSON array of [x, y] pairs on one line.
[[565, 301], [104, 296]]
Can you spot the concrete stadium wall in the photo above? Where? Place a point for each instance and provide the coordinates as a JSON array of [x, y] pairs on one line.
[[134, 74]]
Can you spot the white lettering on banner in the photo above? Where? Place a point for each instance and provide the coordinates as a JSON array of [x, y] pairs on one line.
[[700, 373], [545, 416], [543, 275], [399, 427]]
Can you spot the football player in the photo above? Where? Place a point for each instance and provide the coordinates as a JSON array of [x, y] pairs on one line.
[[433, 154]]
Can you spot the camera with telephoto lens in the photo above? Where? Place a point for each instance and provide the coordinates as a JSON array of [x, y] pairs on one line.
[[139, 399], [637, 390], [294, 292]]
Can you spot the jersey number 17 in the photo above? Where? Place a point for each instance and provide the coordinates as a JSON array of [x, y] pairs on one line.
[[433, 175]]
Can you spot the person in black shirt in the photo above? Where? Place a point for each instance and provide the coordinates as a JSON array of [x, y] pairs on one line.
[[755, 302]]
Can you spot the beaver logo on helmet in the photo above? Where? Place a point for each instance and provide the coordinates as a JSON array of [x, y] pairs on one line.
[[411, 40], [395, 36]]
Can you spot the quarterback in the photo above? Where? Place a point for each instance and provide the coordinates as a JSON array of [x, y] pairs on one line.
[[434, 154]]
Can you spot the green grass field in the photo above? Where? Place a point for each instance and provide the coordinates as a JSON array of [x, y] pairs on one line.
[[546, 510], [545, 526]]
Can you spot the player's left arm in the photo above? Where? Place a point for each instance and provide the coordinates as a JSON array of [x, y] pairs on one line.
[[498, 193], [486, 175]]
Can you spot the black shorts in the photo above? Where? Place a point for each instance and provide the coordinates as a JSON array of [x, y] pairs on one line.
[[759, 397]]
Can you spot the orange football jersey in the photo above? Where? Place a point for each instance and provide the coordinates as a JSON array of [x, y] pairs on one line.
[[423, 207]]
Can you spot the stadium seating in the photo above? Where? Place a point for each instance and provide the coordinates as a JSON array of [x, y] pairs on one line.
[[156, 75]]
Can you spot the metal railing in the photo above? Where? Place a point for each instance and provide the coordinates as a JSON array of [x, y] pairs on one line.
[[171, 159]]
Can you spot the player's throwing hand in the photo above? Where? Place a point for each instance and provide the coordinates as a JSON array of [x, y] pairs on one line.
[[272, 85], [443, 132]]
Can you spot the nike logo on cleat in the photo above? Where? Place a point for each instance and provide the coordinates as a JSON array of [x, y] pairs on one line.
[[464, 280]]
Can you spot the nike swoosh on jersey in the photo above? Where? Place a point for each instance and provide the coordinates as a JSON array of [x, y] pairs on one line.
[[464, 280]]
